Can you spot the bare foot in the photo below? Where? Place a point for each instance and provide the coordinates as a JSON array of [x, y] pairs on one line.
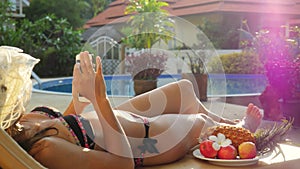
[[252, 119]]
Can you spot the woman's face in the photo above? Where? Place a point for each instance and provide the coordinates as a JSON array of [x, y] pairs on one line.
[[34, 122]]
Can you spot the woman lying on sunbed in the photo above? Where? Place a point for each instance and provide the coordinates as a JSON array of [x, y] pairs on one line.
[[158, 127]]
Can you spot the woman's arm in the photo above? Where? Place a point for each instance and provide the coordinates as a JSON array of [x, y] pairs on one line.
[[114, 135], [85, 80], [56, 153], [75, 107], [70, 109]]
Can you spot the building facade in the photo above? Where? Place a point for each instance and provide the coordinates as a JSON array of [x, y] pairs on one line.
[[17, 7], [259, 14]]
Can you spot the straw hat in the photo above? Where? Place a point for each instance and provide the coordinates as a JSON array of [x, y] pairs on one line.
[[15, 83]]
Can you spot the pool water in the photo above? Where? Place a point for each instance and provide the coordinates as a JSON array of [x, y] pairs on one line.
[[237, 84], [122, 85]]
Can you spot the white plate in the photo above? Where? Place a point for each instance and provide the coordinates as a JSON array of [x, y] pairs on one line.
[[224, 162]]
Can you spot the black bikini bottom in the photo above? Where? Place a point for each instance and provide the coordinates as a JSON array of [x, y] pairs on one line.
[[148, 145]]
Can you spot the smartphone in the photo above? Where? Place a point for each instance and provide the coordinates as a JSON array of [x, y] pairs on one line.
[[82, 98]]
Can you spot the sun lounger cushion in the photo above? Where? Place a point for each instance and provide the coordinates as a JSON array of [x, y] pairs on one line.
[[13, 156]]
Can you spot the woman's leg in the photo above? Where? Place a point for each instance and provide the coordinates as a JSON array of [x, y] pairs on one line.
[[174, 98], [176, 134]]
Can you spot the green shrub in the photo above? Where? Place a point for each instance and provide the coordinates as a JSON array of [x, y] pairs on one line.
[[222, 34], [50, 39], [245, 62]]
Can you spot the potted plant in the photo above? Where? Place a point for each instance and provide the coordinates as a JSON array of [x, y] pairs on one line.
[[284, 77], [198, 75], [196, 60], [282, 69], [148, 24], [145, 66]]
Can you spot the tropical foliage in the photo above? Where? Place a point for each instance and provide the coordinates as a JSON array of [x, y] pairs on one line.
[[5, 18], [281, 59], [245, 62], [148, 24], [76, 12], [98, 5], [222, 34], [284, 75], [51, 39], [72, 10]]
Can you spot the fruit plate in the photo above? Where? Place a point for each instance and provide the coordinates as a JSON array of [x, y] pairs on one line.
[[223, 162]]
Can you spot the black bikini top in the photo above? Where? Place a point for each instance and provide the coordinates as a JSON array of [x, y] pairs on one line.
[[80, 126]]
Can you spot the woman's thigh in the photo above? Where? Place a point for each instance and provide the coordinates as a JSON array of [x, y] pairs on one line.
[[176, 134], [176, 97]]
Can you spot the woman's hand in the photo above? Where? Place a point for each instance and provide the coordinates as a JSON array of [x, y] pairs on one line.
[[100, 90], [115, 139], [83, 80]]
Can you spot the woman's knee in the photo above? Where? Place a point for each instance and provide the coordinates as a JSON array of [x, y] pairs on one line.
[[186, 85]]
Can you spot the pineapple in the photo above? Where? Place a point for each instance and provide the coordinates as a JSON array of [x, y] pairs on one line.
[[269, 138], [265, 139], [237, 135]]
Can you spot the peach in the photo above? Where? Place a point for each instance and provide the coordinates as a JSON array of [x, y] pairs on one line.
[[247, 150], [207, 149], [228, 152]]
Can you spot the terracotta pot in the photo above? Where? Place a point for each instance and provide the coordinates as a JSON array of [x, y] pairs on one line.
[[142, 86], [291, 108], [199, 83]]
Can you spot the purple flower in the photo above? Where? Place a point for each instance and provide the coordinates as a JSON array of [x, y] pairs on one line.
[[284, 76], [282, 65], [146, 64]]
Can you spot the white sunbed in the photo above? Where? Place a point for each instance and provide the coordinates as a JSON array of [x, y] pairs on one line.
[[13, 156]]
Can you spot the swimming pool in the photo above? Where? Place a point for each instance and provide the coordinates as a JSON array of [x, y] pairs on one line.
[[122, 85]]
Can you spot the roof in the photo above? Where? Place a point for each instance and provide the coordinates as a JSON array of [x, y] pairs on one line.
[[114, 11], [17, 2], [107, 30], [187, 7], [180, 8]]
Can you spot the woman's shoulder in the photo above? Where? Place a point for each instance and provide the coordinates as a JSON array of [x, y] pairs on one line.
[[50, 111]]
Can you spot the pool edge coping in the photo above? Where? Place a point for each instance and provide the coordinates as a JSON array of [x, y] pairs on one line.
[[122, 96]]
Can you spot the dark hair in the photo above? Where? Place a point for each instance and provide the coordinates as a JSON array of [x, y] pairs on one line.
[[17, 132]]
